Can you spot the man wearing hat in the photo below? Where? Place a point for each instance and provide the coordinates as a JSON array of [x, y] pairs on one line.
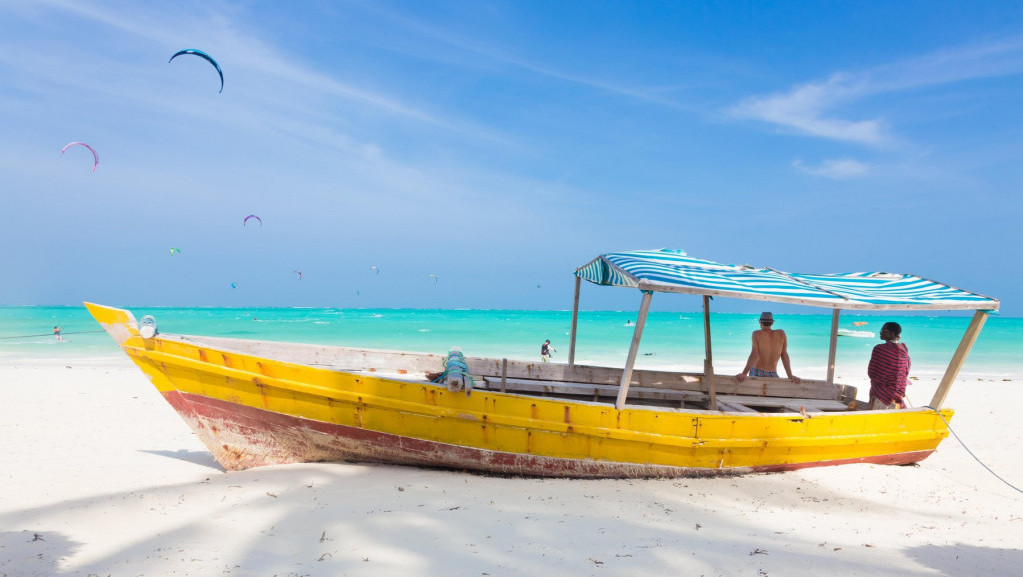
[[769, 345]]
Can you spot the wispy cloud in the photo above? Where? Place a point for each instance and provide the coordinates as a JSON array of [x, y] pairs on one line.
[[816, 108], [492, 54], [805, 109], [838, 168]]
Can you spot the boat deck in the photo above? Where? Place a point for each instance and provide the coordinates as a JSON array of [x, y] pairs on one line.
[[662, 397], [653, 388]]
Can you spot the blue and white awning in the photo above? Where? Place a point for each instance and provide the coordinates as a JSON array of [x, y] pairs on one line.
[[667, 270]]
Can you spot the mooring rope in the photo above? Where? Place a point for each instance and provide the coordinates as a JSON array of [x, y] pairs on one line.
[[982, 464]]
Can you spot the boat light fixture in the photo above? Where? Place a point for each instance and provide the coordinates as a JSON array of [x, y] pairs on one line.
[[147, 327]]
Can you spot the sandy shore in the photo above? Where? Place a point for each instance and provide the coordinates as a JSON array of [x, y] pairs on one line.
[[100, 477]]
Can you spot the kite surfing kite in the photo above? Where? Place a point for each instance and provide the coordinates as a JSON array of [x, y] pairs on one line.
[[375, 269], [299, 273], [204, 56], [246, 221], [175, 250], [234, 285], [95, 157], [434, 277]]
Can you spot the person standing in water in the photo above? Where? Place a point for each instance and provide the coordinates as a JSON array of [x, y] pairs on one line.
[[545, 350], [56, 333]]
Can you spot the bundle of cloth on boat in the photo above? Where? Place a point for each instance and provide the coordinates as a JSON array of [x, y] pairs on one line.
[[456, 372]]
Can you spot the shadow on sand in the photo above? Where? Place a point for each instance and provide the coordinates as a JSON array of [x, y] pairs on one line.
[[963, 559], [202, 458]]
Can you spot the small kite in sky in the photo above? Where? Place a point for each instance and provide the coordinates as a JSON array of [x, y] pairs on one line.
[[234, 285], [204, 56], [299, 273], [373, 268], [175, 250], [95, 157], [246, 221], [434, 277]]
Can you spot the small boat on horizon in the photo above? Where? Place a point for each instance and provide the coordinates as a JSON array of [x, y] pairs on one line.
[[854, 333], [256, 403]]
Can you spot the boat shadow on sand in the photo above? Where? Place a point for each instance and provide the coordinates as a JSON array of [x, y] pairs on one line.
[[342, 519], [963, 559], [203, 458]]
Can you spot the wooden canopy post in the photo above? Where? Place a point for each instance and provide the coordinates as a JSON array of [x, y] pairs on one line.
[[575, 320], [959, 358], [623, 389], [833, 347], [708, 361]]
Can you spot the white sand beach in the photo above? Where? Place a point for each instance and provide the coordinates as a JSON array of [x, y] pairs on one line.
[[100, 477]]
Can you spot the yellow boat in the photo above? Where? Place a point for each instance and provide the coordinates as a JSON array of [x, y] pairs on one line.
[[256, 403]]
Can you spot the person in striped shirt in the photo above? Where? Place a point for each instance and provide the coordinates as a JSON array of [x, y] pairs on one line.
[[889, 370]]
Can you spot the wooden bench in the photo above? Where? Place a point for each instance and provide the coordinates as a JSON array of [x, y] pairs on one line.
[[728, 403], [789, 404], [591, 390]]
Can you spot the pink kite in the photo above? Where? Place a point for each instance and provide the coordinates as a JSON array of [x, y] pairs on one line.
[[246, 221], [299, 273], [94, 155]]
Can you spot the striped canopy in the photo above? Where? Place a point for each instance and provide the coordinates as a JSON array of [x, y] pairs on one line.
[[668, 270]]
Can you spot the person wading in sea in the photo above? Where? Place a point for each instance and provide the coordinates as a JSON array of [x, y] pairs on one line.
[[545, 350]]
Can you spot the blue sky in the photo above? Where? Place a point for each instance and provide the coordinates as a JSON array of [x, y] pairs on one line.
[[498, 145]]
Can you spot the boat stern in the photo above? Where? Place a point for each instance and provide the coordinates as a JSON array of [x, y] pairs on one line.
[[119, 323]]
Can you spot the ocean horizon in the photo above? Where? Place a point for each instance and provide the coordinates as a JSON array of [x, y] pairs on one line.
[[671, 340]]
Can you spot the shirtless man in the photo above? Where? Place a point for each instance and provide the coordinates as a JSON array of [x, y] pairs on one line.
[[769, 345]]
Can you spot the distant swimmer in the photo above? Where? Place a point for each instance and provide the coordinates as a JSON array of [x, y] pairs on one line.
[[56, 333], [545, 350]]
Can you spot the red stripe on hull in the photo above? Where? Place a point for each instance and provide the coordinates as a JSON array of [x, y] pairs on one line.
[[894, 459], [241, 437]]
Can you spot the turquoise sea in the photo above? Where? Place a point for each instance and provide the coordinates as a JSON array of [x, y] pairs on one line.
[[671, 340]]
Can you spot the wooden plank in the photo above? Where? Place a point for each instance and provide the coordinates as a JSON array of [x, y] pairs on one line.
[[734, 407], [504, 374], [958, 359], [575, 322], [584, 373], [708, 362], [833, 345], [791, 404], [338, 358], [596, 391], [623, 391]]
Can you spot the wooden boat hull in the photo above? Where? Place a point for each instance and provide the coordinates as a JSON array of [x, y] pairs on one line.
[[241, 437], [253, 411]]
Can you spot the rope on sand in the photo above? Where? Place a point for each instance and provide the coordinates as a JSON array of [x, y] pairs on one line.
[[997, 476]]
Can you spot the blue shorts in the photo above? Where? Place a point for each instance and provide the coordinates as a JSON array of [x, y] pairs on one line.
[[755, 372]]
